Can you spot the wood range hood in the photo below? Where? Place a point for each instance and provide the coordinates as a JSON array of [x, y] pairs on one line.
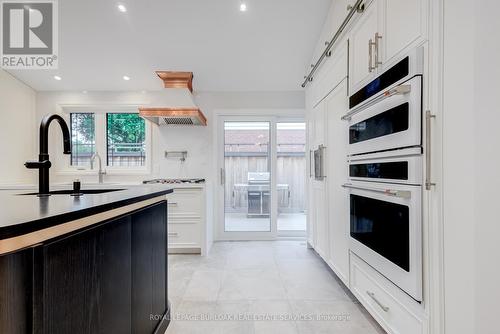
[[181, 108]]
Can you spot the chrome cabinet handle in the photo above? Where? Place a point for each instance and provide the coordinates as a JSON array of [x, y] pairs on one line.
[[173, 234], [173, 203], [372, 296], [222, 176], [370, 56], [389, 192], [428, 157], [377, 44], [310, 163]]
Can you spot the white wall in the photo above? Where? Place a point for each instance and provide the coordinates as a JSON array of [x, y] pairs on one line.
[[17, 137], [486, 113], [196, 140]]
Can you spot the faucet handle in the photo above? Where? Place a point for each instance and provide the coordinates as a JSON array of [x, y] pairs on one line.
[[38, 164]]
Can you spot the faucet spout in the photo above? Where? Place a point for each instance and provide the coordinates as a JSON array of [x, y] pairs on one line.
[[43, 164], [44, 133]]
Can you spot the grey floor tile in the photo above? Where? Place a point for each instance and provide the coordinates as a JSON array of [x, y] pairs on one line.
[[204, 285], [248, 287]]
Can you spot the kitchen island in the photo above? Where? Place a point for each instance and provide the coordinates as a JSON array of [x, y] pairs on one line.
[[94, 263]]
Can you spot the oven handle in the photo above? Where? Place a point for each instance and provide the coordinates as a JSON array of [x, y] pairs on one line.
[[398, 90], [388, 192]]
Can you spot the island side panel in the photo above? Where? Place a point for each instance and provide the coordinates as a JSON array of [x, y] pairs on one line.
[[16, 272]]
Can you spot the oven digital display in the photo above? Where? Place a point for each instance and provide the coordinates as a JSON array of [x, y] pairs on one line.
[[383, 227], [394, 170], [388, 122]]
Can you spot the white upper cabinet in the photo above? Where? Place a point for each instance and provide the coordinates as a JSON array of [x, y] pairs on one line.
[[404, 26], [383, 32], [361, 56]]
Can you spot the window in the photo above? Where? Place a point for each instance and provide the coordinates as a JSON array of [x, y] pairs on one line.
[[119, 136], [126, 134], [82, 138]]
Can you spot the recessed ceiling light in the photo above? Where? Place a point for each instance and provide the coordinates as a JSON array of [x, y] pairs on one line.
[[122, 8], [84, 92], [126, 78], [243, 7], [58, 78]]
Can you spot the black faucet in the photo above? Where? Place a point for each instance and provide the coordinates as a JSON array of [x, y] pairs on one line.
[[43, 164]]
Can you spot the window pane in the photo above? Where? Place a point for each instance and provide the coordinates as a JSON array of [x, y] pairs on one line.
[[82, 138], [126, 134]]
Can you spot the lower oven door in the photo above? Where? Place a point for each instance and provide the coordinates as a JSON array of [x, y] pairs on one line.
[[386, 231]]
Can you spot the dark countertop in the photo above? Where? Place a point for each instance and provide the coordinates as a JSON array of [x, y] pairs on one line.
[[21, 214]]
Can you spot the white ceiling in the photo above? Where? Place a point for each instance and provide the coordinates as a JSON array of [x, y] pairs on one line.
[[266, 48]]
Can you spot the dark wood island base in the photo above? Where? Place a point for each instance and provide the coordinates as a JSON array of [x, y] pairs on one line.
[[107, 275]]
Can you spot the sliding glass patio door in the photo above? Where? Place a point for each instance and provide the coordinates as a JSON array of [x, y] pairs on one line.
[[262, 178]]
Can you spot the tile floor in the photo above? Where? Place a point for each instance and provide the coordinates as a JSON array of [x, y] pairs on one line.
[[261, 287]]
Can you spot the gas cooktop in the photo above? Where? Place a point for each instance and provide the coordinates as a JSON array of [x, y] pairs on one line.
[[173, 181]]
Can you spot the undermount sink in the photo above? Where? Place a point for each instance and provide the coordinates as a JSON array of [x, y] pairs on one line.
[[81, 192]]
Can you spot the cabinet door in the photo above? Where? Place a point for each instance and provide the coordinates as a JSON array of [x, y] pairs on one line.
[[83, 281], [149, 265], [310, 169], [16, 275], [318, 190], [338, 206], [403, 26], [362, 31]]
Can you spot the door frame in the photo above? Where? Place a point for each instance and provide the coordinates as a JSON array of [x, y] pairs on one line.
[[219, 199]]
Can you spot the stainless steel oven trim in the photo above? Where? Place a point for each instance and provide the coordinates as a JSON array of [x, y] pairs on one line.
[[410, 282], [398, 90], [386, 191], [408, 138]]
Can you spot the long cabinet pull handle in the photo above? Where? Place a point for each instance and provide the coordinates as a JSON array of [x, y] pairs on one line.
[[388, 192], [370, 56], [310, 163], [222, 176], [173, 234], [428, 144], [172, 203], [382, 306], [398, 90], [378, 37]]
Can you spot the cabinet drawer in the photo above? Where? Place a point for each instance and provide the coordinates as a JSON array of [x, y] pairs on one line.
[[370, 288], [185, 203], [184, 235]]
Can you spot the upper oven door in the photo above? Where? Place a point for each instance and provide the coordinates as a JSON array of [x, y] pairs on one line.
[[386, 229], [393, 120]]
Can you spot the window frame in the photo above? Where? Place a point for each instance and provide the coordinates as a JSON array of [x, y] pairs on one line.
[[100, 128]]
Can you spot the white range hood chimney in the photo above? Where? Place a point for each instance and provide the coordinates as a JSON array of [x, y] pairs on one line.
[[181, 108]]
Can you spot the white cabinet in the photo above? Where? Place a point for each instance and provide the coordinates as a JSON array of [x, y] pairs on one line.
[[188, 221], [336, 171], [404, 26], [361, 56], [395, 311], [383, 32], [317, 199]]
